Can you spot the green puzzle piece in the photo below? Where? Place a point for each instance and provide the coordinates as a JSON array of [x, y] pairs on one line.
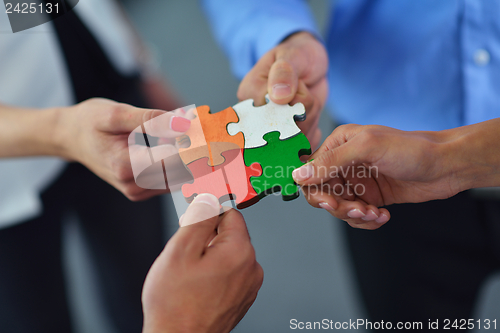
[[278, 159]]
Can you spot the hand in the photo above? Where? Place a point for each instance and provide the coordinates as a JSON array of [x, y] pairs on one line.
[[292, 72], [97, 132], [206, 278], [360, 168]]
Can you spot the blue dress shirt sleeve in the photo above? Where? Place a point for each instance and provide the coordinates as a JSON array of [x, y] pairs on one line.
[[412, 65], [247, 29]]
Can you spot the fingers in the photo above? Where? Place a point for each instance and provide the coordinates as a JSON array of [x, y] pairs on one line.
[[361, 215], [283, 82], [277, 73], [325, 166], [197, 226], [202, 208], [142, 157], [373, 219], [356, 213], [312, 105], [164, 124], [302, 57], [232, 228], [254, 84], [340, 135], [119, 118], [348, 145]]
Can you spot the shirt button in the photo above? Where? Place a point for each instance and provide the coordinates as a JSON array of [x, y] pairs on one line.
[[481, 57]]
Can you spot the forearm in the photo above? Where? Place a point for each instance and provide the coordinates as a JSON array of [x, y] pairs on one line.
[[473, 154], [28, 132]]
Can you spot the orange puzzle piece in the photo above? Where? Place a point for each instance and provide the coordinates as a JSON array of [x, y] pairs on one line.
[[209, 137], [230, 180]]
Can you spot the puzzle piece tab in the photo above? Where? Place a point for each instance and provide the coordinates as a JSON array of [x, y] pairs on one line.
[[214, 126], [278, 159], [255, 122], [226, 181], [209, 138], [198, 147]]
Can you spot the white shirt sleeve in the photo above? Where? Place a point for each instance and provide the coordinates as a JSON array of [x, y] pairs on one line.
[[33, 74]]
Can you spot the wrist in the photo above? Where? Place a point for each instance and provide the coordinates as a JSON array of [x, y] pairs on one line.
[[299, 35], [59, 138], [472, 158], [452, 167], [28, 132]]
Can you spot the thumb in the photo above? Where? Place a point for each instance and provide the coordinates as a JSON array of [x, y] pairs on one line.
[[123, 118], [340, 149], [232, 229], [198, 225], [327, 165], [283, 82]]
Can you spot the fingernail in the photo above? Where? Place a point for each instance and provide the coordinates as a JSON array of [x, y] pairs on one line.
[[180, 219], [208, 199], [303, 173], [370, 216], [179, 124], [355, 214], [382, 219], [326, 206], [281, 90]]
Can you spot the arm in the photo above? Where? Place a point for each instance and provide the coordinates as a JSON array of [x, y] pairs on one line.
[[94, 133], [27, 132], [206, 278], [361, 168], [474, 154]]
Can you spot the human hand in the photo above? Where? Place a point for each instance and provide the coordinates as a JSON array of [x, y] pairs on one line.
[[206, 278], [97, 132], [292, 72], [360, 168]]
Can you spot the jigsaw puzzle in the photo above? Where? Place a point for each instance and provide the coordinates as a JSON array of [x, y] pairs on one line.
[[230, 180], [256, 121], [244, 152], [208, 136], [278, 158]]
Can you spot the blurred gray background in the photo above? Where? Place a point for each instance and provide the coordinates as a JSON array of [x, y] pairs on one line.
[[308, 276]]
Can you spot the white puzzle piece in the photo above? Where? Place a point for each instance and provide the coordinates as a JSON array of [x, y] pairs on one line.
[[255, 121]]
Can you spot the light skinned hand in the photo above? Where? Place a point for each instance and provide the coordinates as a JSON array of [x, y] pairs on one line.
[[206, 278], [292, 72], [390, 166], [97, 132]]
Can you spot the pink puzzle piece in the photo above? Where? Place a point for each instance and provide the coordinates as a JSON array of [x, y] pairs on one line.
[[230, 180]]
